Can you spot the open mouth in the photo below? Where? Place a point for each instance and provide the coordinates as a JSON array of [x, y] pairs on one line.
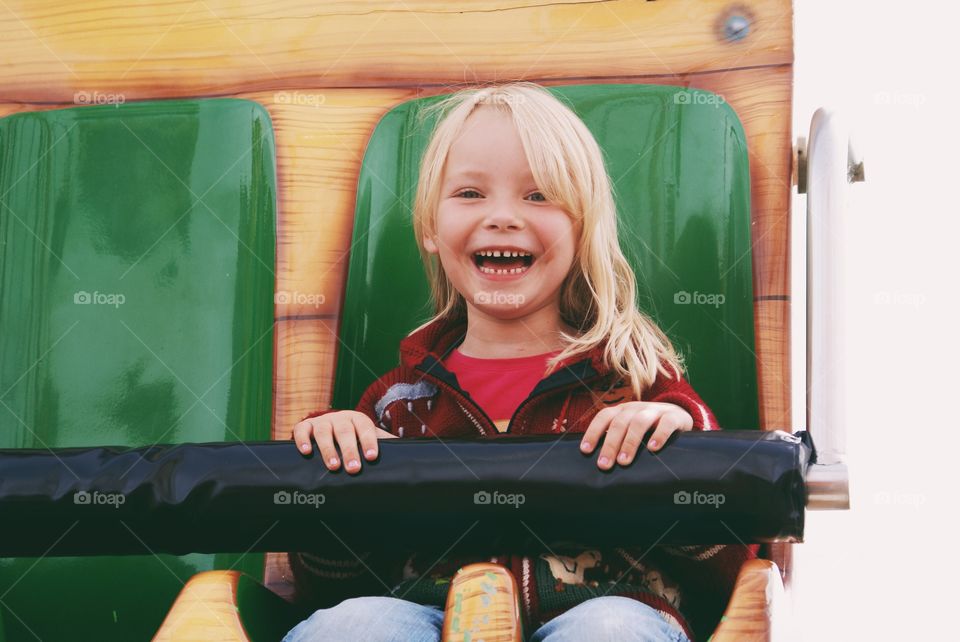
[[503, 262]]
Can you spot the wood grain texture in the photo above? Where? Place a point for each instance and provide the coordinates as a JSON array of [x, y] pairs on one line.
[[205, 611], [756, 596], [483, 603], [173, 48]]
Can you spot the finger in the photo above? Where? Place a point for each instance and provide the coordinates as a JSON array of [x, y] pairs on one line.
[[631, 442], [367, 434], [591, 437], [614, 438], [323, 433], [346, 436], [669, 423], [641, 423], [301, 436]]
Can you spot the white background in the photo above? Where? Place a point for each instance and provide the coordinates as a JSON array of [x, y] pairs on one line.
[[887, 569]]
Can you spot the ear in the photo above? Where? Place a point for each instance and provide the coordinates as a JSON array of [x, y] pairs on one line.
[[429, 245]]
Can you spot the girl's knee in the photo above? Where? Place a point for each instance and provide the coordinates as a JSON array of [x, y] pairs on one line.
[[367, 605], [613, 618], [371, 618]]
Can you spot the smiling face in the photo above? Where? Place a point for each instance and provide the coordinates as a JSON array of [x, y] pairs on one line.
[[489, 204]]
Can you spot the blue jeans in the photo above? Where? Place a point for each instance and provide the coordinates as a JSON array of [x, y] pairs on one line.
[[389, 619]]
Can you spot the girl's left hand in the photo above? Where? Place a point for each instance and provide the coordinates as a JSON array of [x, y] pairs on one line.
[[625, 426]]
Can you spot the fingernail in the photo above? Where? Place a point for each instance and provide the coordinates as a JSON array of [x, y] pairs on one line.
[[604, 461], [353, 463], [371, 453], [334, 461], [653, 443], [585, 446], [622, 458], [305, 448]]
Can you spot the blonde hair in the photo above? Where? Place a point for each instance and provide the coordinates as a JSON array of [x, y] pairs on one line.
[[598, 296]]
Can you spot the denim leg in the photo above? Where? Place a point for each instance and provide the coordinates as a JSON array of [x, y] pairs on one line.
[[373, 619], [609, 619]]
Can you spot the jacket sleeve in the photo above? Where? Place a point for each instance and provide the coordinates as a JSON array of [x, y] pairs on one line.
[[367, 403], [675, 389]]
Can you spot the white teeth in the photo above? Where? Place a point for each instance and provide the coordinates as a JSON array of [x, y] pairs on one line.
[[487, 270], [503, 253]]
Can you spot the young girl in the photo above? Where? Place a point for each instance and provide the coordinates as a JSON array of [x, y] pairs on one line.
[[536, 331]]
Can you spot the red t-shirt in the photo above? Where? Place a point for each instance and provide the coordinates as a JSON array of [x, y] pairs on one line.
[[498, 386]]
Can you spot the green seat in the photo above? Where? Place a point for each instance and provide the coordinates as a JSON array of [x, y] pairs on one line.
[[678, 160], [136, 307]]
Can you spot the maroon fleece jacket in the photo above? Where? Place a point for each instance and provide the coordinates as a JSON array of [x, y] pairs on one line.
[[689, 586]]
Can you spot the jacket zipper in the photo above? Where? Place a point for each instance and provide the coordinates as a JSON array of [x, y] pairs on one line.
[[565, 388], [490, 425]]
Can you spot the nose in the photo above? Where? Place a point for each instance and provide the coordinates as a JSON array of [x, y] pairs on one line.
[[503, 216]]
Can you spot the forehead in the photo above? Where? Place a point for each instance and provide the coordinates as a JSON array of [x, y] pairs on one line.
[[488, 144]]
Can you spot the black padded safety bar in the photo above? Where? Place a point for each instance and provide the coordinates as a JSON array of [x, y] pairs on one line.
[[506, 493]]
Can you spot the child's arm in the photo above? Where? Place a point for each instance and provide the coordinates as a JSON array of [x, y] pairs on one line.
[[344, 428], [671, 405], [675, 390]]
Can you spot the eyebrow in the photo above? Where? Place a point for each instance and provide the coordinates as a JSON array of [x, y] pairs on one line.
[[476, 173]]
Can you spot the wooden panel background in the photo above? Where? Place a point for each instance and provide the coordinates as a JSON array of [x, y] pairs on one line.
[[327, 72]]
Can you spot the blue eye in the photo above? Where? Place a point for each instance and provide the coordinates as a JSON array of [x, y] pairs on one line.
[[541, 199], [464, 193]]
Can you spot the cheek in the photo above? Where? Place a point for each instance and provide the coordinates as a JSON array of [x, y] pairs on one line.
[[451, 232], [559, 234]]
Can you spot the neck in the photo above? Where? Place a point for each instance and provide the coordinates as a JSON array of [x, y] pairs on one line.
[[490, 337]]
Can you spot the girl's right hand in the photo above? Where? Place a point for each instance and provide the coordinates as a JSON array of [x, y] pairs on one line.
[[347, 427]]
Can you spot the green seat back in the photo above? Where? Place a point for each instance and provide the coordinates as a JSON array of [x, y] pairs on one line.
[[136, 307], [678, 159]]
